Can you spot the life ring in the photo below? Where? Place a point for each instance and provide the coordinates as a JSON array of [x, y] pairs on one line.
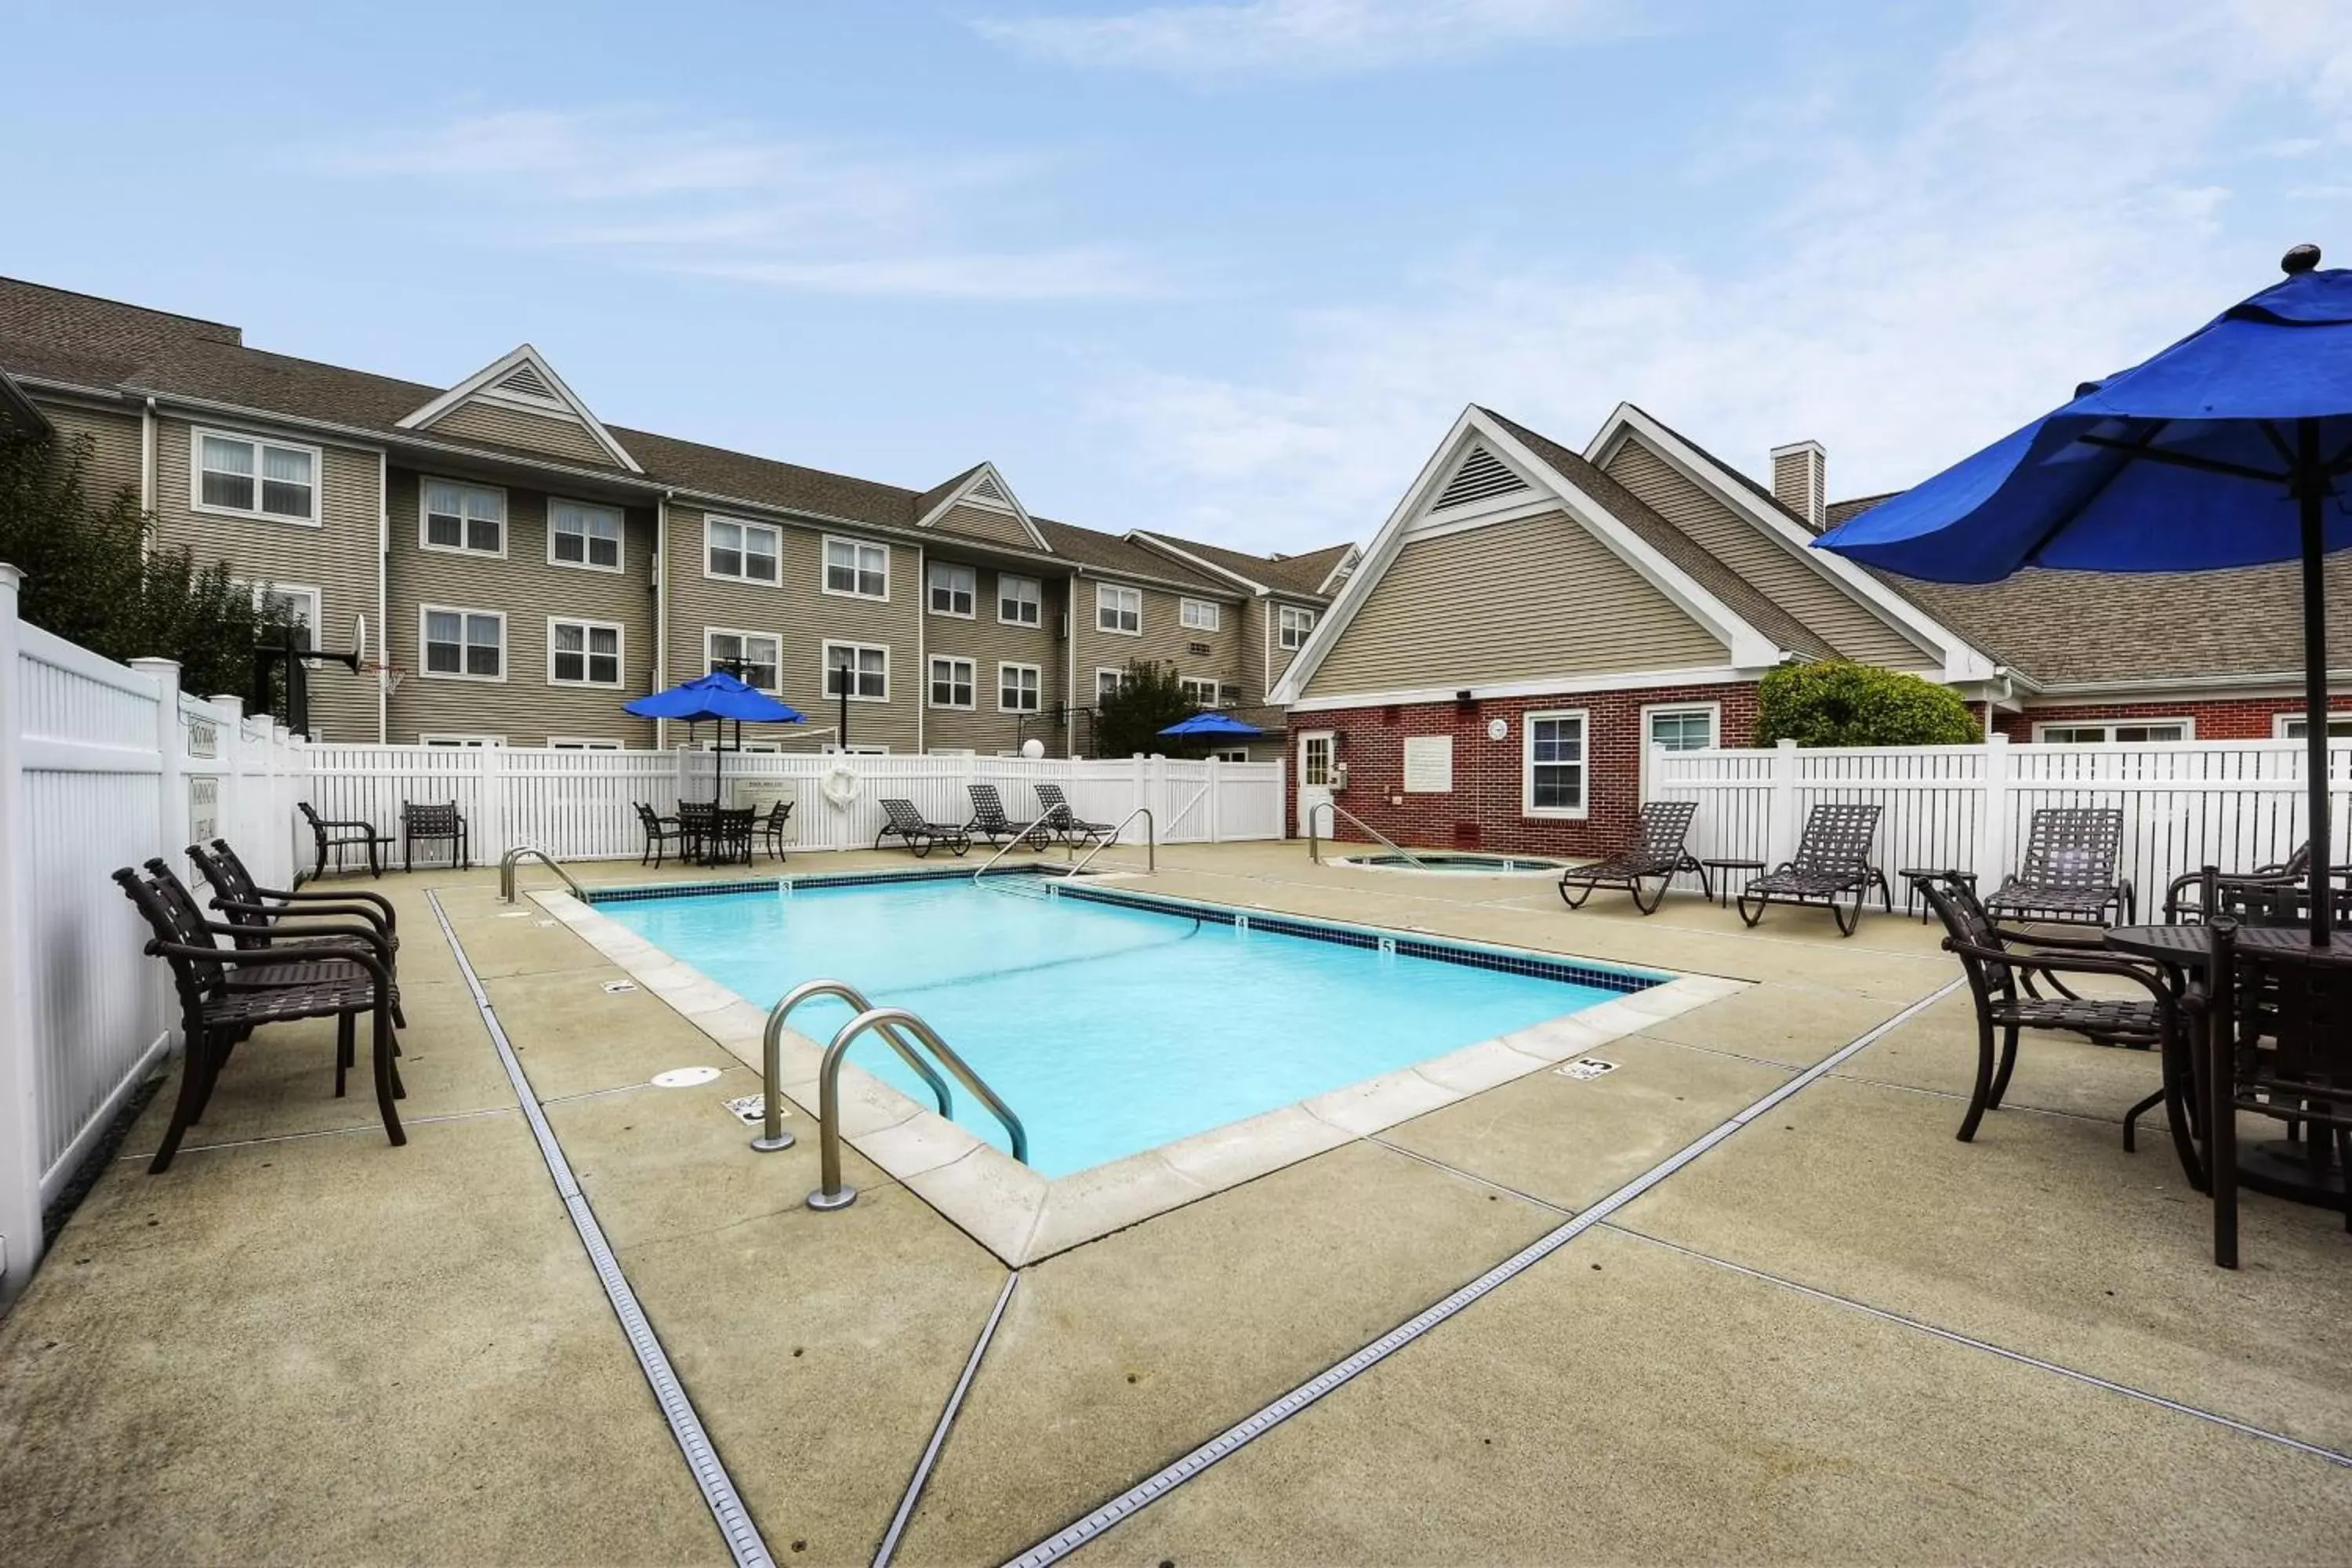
[[840, 786]]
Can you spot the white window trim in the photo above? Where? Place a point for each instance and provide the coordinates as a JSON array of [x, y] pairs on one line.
[[2280, 721], [1037, 600], [1101, 670], [506, 644], [932, 679], [1527, 807], [458, 738], [620, 651], [319, 604], [197, 502], [746, 523], [1287, 612], [505, 518], [1195, 682], [859, 750], [738, 632], [2187, 727], [1037, 670], [824, 568], [1230, 754], [1714, 711], [1103, 589], [930, 607], [620, 539], [825, 670], [585, 743], [1215, 612]]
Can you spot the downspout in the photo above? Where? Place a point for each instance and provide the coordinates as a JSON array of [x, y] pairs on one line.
[[923, 643], [148, 475], [661, 609], [1070, 659], [384, 588]]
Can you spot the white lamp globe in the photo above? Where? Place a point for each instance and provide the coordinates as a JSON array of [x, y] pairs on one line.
[[1032, 748]]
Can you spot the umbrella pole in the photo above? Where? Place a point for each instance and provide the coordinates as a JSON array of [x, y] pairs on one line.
[[2311, 484]]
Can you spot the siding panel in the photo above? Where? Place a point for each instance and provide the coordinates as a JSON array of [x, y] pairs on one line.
[[1165, 639], [112, 461], [987, 642], [979, 522], [521, 428]]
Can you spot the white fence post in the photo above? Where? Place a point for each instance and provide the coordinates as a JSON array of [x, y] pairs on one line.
[[172, 814], [20, 1131], [490, 838], [1993, 819], [1781, 830]]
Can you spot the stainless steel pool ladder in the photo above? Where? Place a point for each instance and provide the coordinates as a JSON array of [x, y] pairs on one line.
[[512, 857], [772, 1135], [1315, 844], [1150, 841], [1018, 840]]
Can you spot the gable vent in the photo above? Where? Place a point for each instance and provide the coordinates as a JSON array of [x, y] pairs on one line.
[[1481, 476], [988, 489], [527, 381]]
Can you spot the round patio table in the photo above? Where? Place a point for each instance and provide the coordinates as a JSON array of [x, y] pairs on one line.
[[2277, 1166]]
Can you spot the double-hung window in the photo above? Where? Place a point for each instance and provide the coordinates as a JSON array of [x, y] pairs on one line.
[[2297, 726], [1110, 682], [299, 605], [952, 588], [1199, 615], [1019, 600], [856, 568], [744, 551], [253, 477], [1119, 609], [2134, 733], [861, 669], [470, 519], [951, 682], [1554, 764], [463, 645], [749, 656], [1017, 688], [579, 534], [1199, 693], [583, 653], [1293, 626]]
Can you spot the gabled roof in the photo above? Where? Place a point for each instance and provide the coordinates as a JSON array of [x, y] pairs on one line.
[[982, 489], [16, 408], [1294, 576], [522, 382]]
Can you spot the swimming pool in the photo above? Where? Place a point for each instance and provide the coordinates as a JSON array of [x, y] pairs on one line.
[[1113, 1025]]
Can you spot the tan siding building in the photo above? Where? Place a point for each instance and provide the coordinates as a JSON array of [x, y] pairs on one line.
[[116, 459], [990, 643]]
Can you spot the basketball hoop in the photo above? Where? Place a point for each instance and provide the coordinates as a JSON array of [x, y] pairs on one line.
[[388, 676]]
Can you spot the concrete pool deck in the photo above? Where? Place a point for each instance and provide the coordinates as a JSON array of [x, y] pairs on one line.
[[1837, 1334]]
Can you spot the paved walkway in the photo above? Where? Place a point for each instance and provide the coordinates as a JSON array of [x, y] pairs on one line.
[[1839, 1334]]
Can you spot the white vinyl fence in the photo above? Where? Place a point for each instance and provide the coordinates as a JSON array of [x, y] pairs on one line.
[[581, 805], [101, 765], [2186, 804]]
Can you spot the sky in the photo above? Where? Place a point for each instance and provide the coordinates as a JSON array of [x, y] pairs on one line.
[[1225, 270]]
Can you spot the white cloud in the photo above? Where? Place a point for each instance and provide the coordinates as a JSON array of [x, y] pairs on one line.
[[2048, 210], [1300, 37], [724, 200]]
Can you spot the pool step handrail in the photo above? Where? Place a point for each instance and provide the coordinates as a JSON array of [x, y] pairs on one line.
[[1018, 840], [1315, 844], [1150, 842], [832, 1192], [772, 1135], [520, 852]]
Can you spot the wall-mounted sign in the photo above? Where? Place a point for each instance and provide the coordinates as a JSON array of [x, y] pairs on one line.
[[1498, 729], [203, 807], [761, 795], [1429, 764], [204, 738]]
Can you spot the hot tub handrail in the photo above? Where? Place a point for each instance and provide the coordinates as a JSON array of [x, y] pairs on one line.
[[772, 1135], [1314, 845], [831, 1193], [507, 862], [1150, 842], [1017, 840]]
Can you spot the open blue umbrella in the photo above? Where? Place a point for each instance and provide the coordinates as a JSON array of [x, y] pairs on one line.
[[2231, 447], [714, 699], [1211, 726]]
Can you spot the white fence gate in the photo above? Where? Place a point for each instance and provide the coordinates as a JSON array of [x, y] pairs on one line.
[[2186, 804], [101, 767]]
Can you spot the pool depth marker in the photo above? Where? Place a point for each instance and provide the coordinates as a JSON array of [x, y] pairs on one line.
[[735, 1526], [1060, 1544]]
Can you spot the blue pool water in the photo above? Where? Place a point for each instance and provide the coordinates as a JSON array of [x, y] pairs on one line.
[[1107, 1028]]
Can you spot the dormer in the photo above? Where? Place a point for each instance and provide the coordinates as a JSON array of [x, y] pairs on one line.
[[978, 504], [519, 402]]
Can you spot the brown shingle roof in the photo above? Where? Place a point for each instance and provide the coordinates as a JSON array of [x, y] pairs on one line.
[[1297, 576], [1110, 552]]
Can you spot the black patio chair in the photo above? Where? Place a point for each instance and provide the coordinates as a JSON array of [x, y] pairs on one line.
[[434, 824], [271, 920], [2185, 897], [696, 820], [2001, 964], [334, 838], [773, 827], [660, 832], [227, 992], [732, 830], [919, 834], [1656, 855], [1832, 860], [1071, 827], [2280, 1037], [989, 821], [2069, 873]]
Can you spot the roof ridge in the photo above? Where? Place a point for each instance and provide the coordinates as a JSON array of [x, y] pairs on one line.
[[230, 327]]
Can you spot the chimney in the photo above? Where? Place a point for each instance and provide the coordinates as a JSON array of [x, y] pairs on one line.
[[1799, 481]]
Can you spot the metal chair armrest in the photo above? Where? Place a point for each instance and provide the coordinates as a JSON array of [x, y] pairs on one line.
[[2148, 975]]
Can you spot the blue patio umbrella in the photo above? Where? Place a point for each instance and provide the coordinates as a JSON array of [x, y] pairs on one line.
[[1213, 727], [715, 699], [2232, 447]]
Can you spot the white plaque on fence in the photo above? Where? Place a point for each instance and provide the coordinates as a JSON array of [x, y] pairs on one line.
[[203, 807], [1429, 764], [204, 738], [762, 795]]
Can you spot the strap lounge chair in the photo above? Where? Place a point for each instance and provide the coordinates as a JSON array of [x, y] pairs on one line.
[[1833, 862], [1656, 855], [661, 832], [989, 821], [919, 834], [2002, 964], [1073, 829], [2069, 873], [334, 838], [430, 824]]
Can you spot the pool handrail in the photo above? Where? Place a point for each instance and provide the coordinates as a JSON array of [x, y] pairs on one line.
[[509, 861], [772, 1135], [1017, 840], [831, 1193], [1150, 842], [1314, 845]]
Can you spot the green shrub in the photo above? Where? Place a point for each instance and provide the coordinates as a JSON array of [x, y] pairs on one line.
[[1836, 703], [1149, 700]]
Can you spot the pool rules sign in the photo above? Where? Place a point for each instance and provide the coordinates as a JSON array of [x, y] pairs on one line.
[[1429, 764]]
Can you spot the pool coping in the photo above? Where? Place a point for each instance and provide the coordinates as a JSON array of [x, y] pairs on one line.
[[1022, 1217]]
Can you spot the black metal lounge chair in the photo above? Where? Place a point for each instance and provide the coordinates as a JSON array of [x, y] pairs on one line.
[[1832, 860], [2280, 1037], [989, 821], [660, 832], [2001, 964], [2069, 873], [919, 834], [227, 992], [433, 825], [334, 838], [1073, 829], [1656, 855], [772, 827]]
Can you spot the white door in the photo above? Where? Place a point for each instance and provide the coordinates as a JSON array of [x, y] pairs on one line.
[[1314, 780]]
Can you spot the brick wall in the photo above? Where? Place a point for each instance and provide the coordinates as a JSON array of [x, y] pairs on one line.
[[2236, 718], [1484, 810]]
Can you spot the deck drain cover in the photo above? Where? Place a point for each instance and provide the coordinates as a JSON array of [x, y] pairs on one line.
[[1583, 1068], [684, 1077], [751, 1108], [515, 915], [617, 987]]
